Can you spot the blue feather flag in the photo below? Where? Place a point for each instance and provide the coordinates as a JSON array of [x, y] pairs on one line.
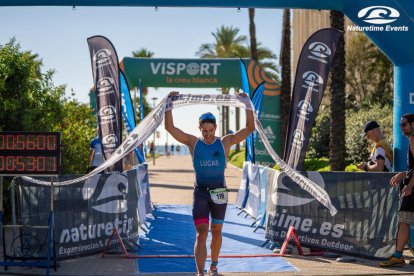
[[251, 139], [128, 112]]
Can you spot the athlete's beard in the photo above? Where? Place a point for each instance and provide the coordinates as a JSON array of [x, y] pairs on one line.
[[208, 139]]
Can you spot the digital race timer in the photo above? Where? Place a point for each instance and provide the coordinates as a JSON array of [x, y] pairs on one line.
[[29, 153]]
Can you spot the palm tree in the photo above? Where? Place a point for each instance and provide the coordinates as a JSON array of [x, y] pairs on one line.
[[337, 148], [285, 84], [253, 40], [228, 44], [144, 53]]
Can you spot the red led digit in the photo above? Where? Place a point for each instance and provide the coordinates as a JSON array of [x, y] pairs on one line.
[[1, 142], [41, 142], [51, 142], [9, 142], [51, 164], [20, 163], [41, 164], [30, 163], [9, 163], [20, 145], [2, 163], [30, 142]]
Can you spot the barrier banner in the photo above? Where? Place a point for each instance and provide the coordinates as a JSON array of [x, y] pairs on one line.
[[85, 213], [310, 82], [261, 215], [243, 191], [366, 222], [145, 187], [105, 71], [254, 180], [143, 192], [253, 201]]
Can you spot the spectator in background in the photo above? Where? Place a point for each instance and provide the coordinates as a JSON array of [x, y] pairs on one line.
[[405, 181], [95, 153], [152, 148], [167, 152], [380, 159]]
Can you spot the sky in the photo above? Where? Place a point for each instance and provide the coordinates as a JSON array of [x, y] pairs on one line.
[[58, 35]]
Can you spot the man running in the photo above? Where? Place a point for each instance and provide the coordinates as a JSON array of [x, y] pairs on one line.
[[210, 193]]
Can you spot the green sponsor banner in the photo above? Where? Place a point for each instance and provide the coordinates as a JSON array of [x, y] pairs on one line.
[[212, 73], [189, 73], [270, 120]]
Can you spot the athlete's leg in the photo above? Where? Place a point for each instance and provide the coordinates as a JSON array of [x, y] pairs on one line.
[[201, 210], [200, 247], [216, 240], [218, 212]]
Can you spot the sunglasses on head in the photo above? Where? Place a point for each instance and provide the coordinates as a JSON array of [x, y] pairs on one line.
[[207, 117]]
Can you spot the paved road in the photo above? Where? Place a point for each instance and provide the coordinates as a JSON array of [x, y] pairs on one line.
[[171, 183]]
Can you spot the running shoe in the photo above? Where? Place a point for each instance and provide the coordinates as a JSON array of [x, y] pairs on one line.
[[392, 261], [214, 272]]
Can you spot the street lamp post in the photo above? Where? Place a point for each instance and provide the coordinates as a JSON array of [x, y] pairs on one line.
[[153, 139]]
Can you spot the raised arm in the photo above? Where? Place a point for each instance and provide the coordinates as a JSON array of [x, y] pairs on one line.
[[177, 133], [242, 134]]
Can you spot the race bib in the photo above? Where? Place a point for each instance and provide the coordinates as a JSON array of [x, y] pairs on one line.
[[219, 196]]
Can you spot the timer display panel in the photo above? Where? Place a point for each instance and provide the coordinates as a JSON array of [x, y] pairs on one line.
[[29, 153]]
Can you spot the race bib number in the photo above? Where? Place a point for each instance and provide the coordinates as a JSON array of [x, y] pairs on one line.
[[220, 195]]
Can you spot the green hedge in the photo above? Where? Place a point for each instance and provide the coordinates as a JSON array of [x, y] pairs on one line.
[[321, 164], [237, 158], [358, 148]]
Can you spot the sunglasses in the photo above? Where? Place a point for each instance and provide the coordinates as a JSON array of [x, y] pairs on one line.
[[207, 117], [403, 124]]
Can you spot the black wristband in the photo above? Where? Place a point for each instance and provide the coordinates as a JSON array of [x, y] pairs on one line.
[[366, 167]]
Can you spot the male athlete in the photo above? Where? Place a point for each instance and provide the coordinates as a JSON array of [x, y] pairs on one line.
[[210, 193]]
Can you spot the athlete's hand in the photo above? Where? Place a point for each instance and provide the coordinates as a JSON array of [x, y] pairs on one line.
[[396, 179], [173, 93], [406, 191]]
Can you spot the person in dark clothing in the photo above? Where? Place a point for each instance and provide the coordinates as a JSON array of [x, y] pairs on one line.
[[406, 184]]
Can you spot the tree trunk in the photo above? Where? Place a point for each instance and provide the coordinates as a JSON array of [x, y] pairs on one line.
[[227, 121], [223, 121], [285, 95], [337, 148], [253, 41]]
